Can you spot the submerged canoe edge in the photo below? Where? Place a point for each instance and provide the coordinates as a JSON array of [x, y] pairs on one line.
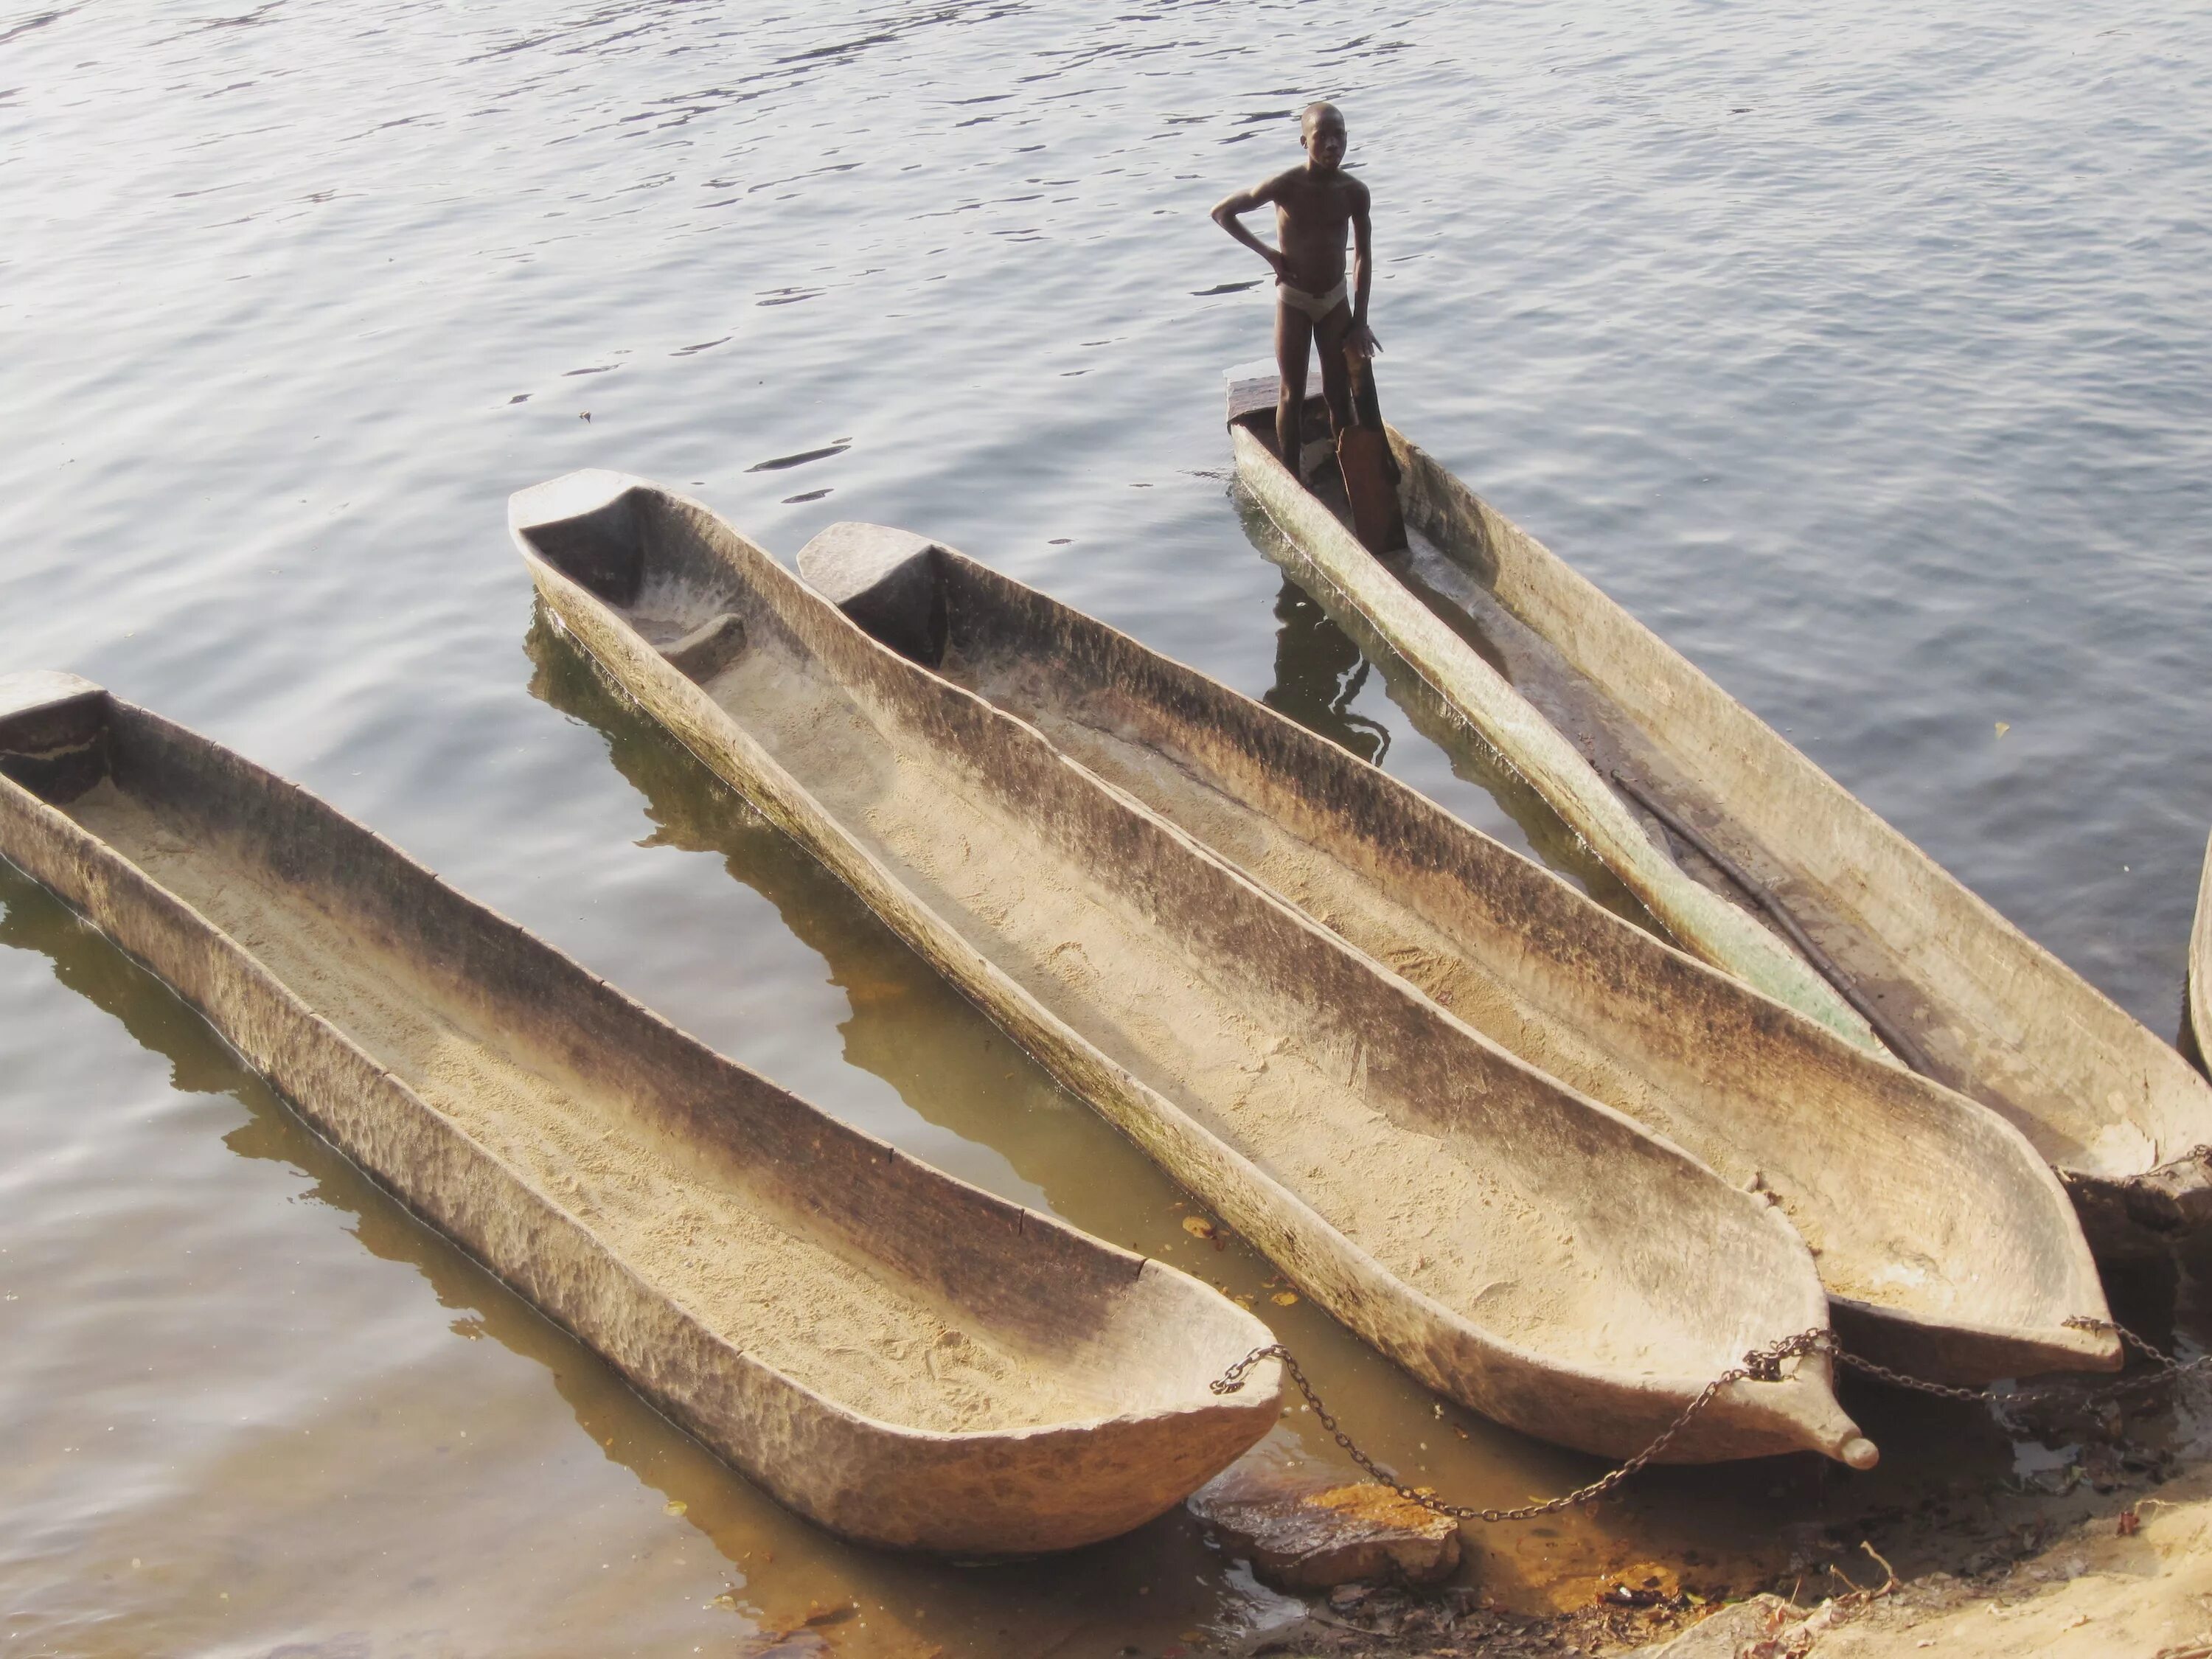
[[581, 521], [1018, 1489]]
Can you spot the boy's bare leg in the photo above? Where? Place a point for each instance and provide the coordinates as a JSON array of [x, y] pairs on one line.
[[1335, 372], [1294, 334]]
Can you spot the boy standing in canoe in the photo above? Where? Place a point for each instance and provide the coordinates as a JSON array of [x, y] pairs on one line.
[[1313, 206]]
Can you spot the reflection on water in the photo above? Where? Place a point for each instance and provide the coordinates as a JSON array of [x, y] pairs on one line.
[[1319, 674]]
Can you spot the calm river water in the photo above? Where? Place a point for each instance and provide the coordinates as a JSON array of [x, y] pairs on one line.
[[1865, 350]]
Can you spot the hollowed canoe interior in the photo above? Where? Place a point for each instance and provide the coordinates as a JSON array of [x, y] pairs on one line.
[[871, 1281]]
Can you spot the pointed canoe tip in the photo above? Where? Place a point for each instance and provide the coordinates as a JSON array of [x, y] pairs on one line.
[[1807, 1400], [2095, 1350]]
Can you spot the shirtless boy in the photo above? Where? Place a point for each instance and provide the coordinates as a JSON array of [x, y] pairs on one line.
[[1313, 203]]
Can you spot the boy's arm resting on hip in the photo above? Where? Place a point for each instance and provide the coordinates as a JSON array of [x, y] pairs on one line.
[[1228, 211]]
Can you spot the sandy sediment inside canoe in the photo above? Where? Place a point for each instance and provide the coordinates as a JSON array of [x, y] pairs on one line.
[[693, 1229], [1465, 1230]]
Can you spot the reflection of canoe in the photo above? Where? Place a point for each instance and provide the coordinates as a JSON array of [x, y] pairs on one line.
[[1946, 1245], [1964, 994], [908, 1360], [1473, 760], [1430, 1190]]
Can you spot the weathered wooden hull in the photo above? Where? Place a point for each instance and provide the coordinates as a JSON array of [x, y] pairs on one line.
[[908, 1360], [1946, 1245], [1973, 1002], [2200, 965], [1525, 1251]]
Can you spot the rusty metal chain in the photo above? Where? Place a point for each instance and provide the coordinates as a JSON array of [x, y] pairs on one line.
[[2166, 1368], [1919, 1385], [1760, 1365]]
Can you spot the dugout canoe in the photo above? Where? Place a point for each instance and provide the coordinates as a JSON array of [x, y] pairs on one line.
[[1640, 753], [908, 1360], [1530, 1253], [2200, 965], [1946, 1245]]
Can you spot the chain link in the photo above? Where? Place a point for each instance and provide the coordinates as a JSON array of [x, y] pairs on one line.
[[2166, 1368], [1760, 1365]]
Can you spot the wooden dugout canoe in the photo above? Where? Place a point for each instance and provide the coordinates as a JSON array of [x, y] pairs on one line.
[[908, 1360], [1525, 1251], [1574, 692], [1946, 1245]]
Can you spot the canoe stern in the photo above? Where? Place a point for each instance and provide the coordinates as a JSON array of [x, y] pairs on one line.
[[588, 526], [53, 733], [996, 1495]]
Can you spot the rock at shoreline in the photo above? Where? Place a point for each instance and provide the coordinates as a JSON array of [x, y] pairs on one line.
[[1298, 1537], [1755, 1627]]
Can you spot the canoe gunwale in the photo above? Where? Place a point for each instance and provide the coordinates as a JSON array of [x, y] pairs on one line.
[[1274, 1218], [476, 1198], [1001, 616]]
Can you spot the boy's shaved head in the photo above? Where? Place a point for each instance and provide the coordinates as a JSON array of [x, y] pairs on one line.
[[1322, 132]]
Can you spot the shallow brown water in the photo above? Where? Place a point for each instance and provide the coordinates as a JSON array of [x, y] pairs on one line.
[[1863, 354]]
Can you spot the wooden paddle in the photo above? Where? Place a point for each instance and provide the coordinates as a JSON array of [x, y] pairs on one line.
[[1369, 470]]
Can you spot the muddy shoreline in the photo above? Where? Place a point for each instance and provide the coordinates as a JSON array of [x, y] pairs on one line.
[[2115, 1546]]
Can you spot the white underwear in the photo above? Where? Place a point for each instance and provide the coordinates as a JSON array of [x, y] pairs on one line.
[[1316, 306]]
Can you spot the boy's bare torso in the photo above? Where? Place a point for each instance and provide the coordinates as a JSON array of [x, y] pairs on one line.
[[1313, 224]]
